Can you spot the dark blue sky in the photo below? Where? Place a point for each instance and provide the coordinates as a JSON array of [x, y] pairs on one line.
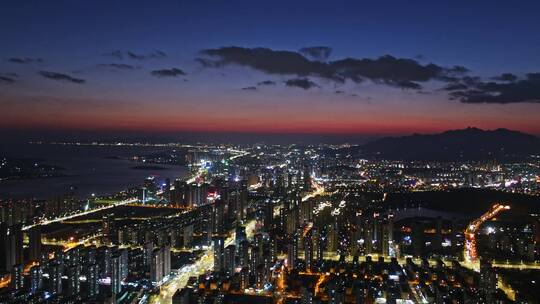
[[488, 38]]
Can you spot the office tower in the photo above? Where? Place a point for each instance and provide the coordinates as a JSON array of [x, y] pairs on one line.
[[229, 259], [219, 253], [73, 286], [34, 239], [36, 279]]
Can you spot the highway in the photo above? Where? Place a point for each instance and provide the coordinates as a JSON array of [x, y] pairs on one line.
[[74, 215], [470, 233]]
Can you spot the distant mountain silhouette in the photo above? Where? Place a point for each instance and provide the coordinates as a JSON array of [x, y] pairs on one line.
[[466, 144]]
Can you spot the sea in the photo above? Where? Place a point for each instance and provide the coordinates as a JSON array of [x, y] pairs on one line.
[[99, 170]]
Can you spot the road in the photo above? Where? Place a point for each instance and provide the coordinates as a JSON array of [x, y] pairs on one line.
[[74, 215]]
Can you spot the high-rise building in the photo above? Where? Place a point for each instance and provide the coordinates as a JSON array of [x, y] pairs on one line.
[[333, 238], [156, 267], [418, 239], [167, 190], [116, 275], [12, 246], [387, 237], [243, 253], [34, 239], [229, 259], [17, 280], [218, 217], [219, 253], [161, 263], [56, 271], [292, 253], [36, 279], [308, 250], [488, 280], [92, 277], [73, 274]]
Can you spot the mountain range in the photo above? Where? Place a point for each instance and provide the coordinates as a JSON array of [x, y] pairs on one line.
[[456, 145]]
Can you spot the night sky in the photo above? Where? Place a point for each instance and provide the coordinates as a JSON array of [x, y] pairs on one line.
[[334, 67]]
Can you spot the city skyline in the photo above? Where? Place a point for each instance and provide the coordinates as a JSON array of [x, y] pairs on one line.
[[350, 69]]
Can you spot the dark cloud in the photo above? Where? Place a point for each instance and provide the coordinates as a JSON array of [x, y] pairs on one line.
[[303, 83], [457, 70], [265, 60], [471, 80], [455, 86], [116, 54], [24, 60], [316, 52], [339, 92], [151, 55], [389, 70], [505, 77], [249, 89], [524, 90], [205, 62], [118, 66], [61, 77], [7, 80], [172, 72], [266, 82]]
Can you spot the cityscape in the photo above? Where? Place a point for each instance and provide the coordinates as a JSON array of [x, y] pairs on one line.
[[216, 152]]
